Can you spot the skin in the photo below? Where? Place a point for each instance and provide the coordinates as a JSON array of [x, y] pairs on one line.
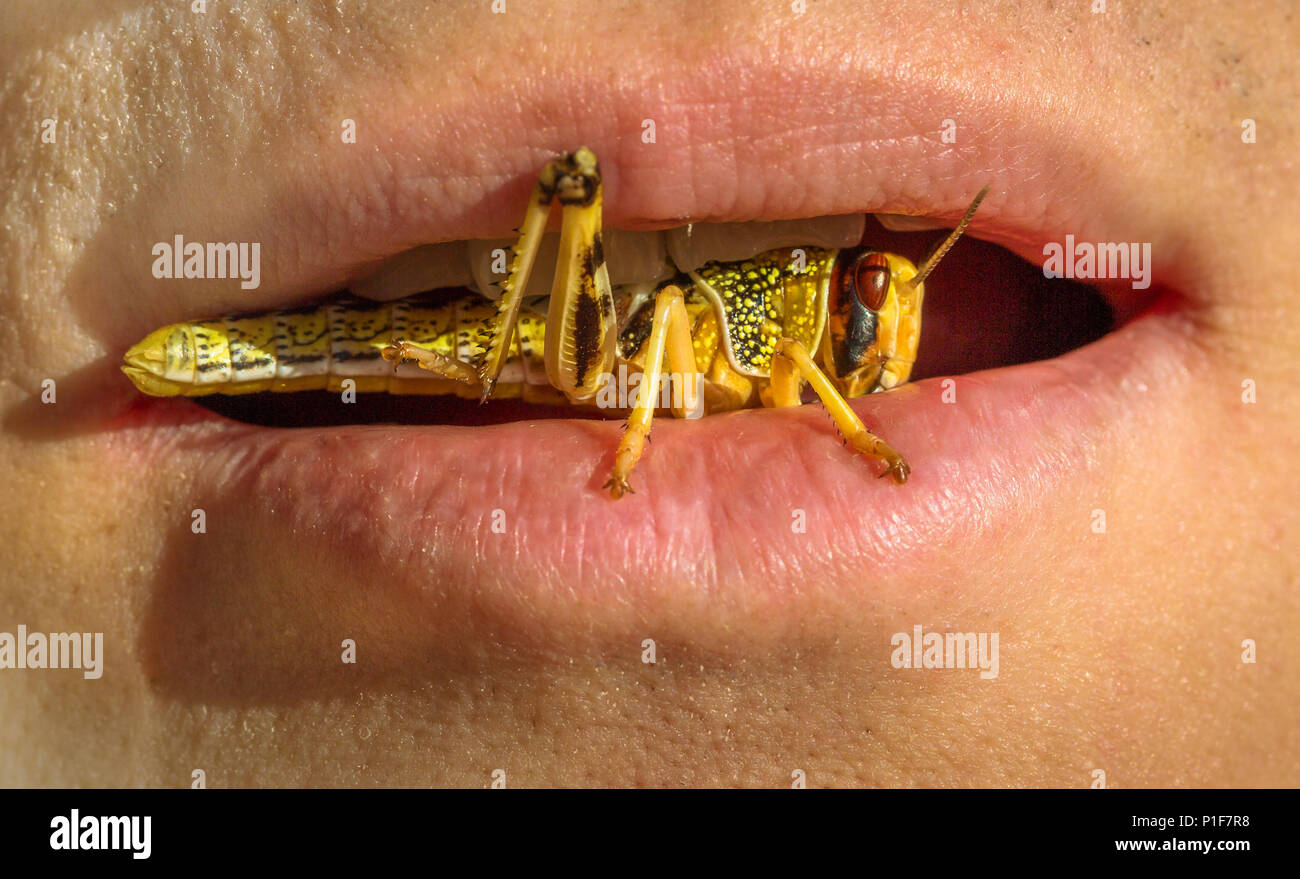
[[1126, 658]]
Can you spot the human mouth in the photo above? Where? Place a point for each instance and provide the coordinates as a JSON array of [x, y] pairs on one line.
[[501, 529]]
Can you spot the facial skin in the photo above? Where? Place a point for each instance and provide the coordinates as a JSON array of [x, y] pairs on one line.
[[1119, 652]]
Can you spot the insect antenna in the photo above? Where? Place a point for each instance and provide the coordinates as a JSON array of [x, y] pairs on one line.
[[937, 252]]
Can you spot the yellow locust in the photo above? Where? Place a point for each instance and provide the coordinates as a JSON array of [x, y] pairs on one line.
[[730, 334]]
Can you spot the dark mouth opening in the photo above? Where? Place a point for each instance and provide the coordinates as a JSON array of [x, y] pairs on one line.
[[985, 308]]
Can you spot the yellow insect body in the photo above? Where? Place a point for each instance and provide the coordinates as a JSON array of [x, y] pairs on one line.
[[733, 333], [318, 347]]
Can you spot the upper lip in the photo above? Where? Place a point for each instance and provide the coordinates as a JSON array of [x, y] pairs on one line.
[[768, 142]]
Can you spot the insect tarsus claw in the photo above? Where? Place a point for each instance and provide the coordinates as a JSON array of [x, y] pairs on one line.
[[898, 471], [393, 354]]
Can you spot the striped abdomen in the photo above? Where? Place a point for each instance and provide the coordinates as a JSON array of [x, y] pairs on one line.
[[320, 346]]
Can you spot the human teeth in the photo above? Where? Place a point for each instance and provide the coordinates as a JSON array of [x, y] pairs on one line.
[[637, 257], [692, 246], [908, 223], [414, 271], [633, 258]]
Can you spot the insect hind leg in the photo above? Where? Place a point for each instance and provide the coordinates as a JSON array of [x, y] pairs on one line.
[[439, 364], [573, 181]]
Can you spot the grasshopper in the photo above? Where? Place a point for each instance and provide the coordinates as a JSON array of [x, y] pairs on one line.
[[732, 334]]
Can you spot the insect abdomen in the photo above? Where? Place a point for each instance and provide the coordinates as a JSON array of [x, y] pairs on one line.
[[319, 347]]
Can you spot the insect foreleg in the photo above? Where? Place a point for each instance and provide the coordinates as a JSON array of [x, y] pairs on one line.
[[670, 331], [791, 362]]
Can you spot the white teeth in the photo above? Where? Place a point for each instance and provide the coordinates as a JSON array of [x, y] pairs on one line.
[[907, 223], [637, 257], [414, 271], [692, 246], [633, 257]]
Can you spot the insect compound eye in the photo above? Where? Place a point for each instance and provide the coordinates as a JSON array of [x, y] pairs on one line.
[[871, 278]]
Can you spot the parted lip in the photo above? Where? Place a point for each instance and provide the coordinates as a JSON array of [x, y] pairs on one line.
[[709, 529], [502, 533], [740, 139]]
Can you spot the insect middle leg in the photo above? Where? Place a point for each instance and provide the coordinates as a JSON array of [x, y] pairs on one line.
[[670, 332], [790, 363]]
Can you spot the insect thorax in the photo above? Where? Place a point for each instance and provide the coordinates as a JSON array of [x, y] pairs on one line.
[[781, 293]]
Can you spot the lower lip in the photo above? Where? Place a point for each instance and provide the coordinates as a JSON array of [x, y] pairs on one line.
[[504, 529]]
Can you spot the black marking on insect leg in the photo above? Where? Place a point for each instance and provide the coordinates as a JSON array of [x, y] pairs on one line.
[[574, 179], [592, 259], [586, 333]]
